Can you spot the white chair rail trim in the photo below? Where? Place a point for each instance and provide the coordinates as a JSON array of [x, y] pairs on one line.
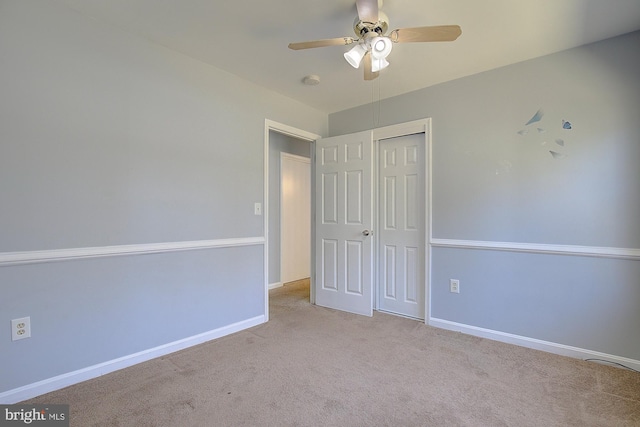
[[54, 255], [540, 248]]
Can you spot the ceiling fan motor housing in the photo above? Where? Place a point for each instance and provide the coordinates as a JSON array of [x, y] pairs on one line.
[[365, 29]]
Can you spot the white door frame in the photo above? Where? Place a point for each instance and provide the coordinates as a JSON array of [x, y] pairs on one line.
[[393, 131], [270, 125]]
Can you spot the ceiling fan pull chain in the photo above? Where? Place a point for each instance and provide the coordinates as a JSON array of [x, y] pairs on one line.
[[376, 109]]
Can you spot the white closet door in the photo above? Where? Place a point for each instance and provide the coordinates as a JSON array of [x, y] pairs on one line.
[[402, 226], [295, 217]]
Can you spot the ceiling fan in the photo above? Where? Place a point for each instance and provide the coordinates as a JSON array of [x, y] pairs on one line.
[[373, 45]]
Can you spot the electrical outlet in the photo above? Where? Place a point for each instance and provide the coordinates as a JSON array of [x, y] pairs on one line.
[[454, 286], [20, 328]]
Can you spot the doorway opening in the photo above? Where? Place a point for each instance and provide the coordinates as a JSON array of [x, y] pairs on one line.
[[295, 214], [283, 256]]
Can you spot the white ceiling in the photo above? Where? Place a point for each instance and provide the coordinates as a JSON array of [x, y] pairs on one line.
[[250, 38]]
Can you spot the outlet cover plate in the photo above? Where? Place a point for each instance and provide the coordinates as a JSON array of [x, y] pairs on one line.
[[20, 328], [454, 286]]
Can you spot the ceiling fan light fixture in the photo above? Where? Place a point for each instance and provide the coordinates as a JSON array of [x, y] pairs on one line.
[[355, 54], [370, 26], [380, 47], [378, 64]]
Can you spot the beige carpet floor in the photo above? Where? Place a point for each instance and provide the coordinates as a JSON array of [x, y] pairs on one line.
[[311, 366]]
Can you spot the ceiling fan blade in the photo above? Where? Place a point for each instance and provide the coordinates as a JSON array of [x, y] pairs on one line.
[[368, 74], [440, 33], [367, 10], [339, 41]]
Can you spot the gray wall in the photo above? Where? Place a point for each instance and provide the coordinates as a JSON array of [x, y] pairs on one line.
[[107, 139], [496, 180], [279, 143]]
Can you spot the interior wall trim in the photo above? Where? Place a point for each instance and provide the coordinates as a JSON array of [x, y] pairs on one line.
[[54, 255], [51, 384], [276, 285], [540, 248], [533, 343]]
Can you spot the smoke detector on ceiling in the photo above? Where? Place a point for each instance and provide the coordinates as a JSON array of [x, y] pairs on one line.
[[311, 80]]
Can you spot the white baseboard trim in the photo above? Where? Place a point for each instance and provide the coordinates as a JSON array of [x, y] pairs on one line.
[[33, 257], [51, 384], [275, 285], [536, 344]]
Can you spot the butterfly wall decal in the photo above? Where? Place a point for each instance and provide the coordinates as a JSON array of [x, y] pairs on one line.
[[537, 118]]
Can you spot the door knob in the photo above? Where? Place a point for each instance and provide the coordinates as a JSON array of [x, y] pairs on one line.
[[367, 233]]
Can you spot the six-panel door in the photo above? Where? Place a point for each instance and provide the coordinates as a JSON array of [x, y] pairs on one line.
[[344, 253], [401, 236]]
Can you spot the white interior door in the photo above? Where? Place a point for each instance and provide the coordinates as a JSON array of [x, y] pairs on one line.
[[344, 206], [401, 237], [295, 217]]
